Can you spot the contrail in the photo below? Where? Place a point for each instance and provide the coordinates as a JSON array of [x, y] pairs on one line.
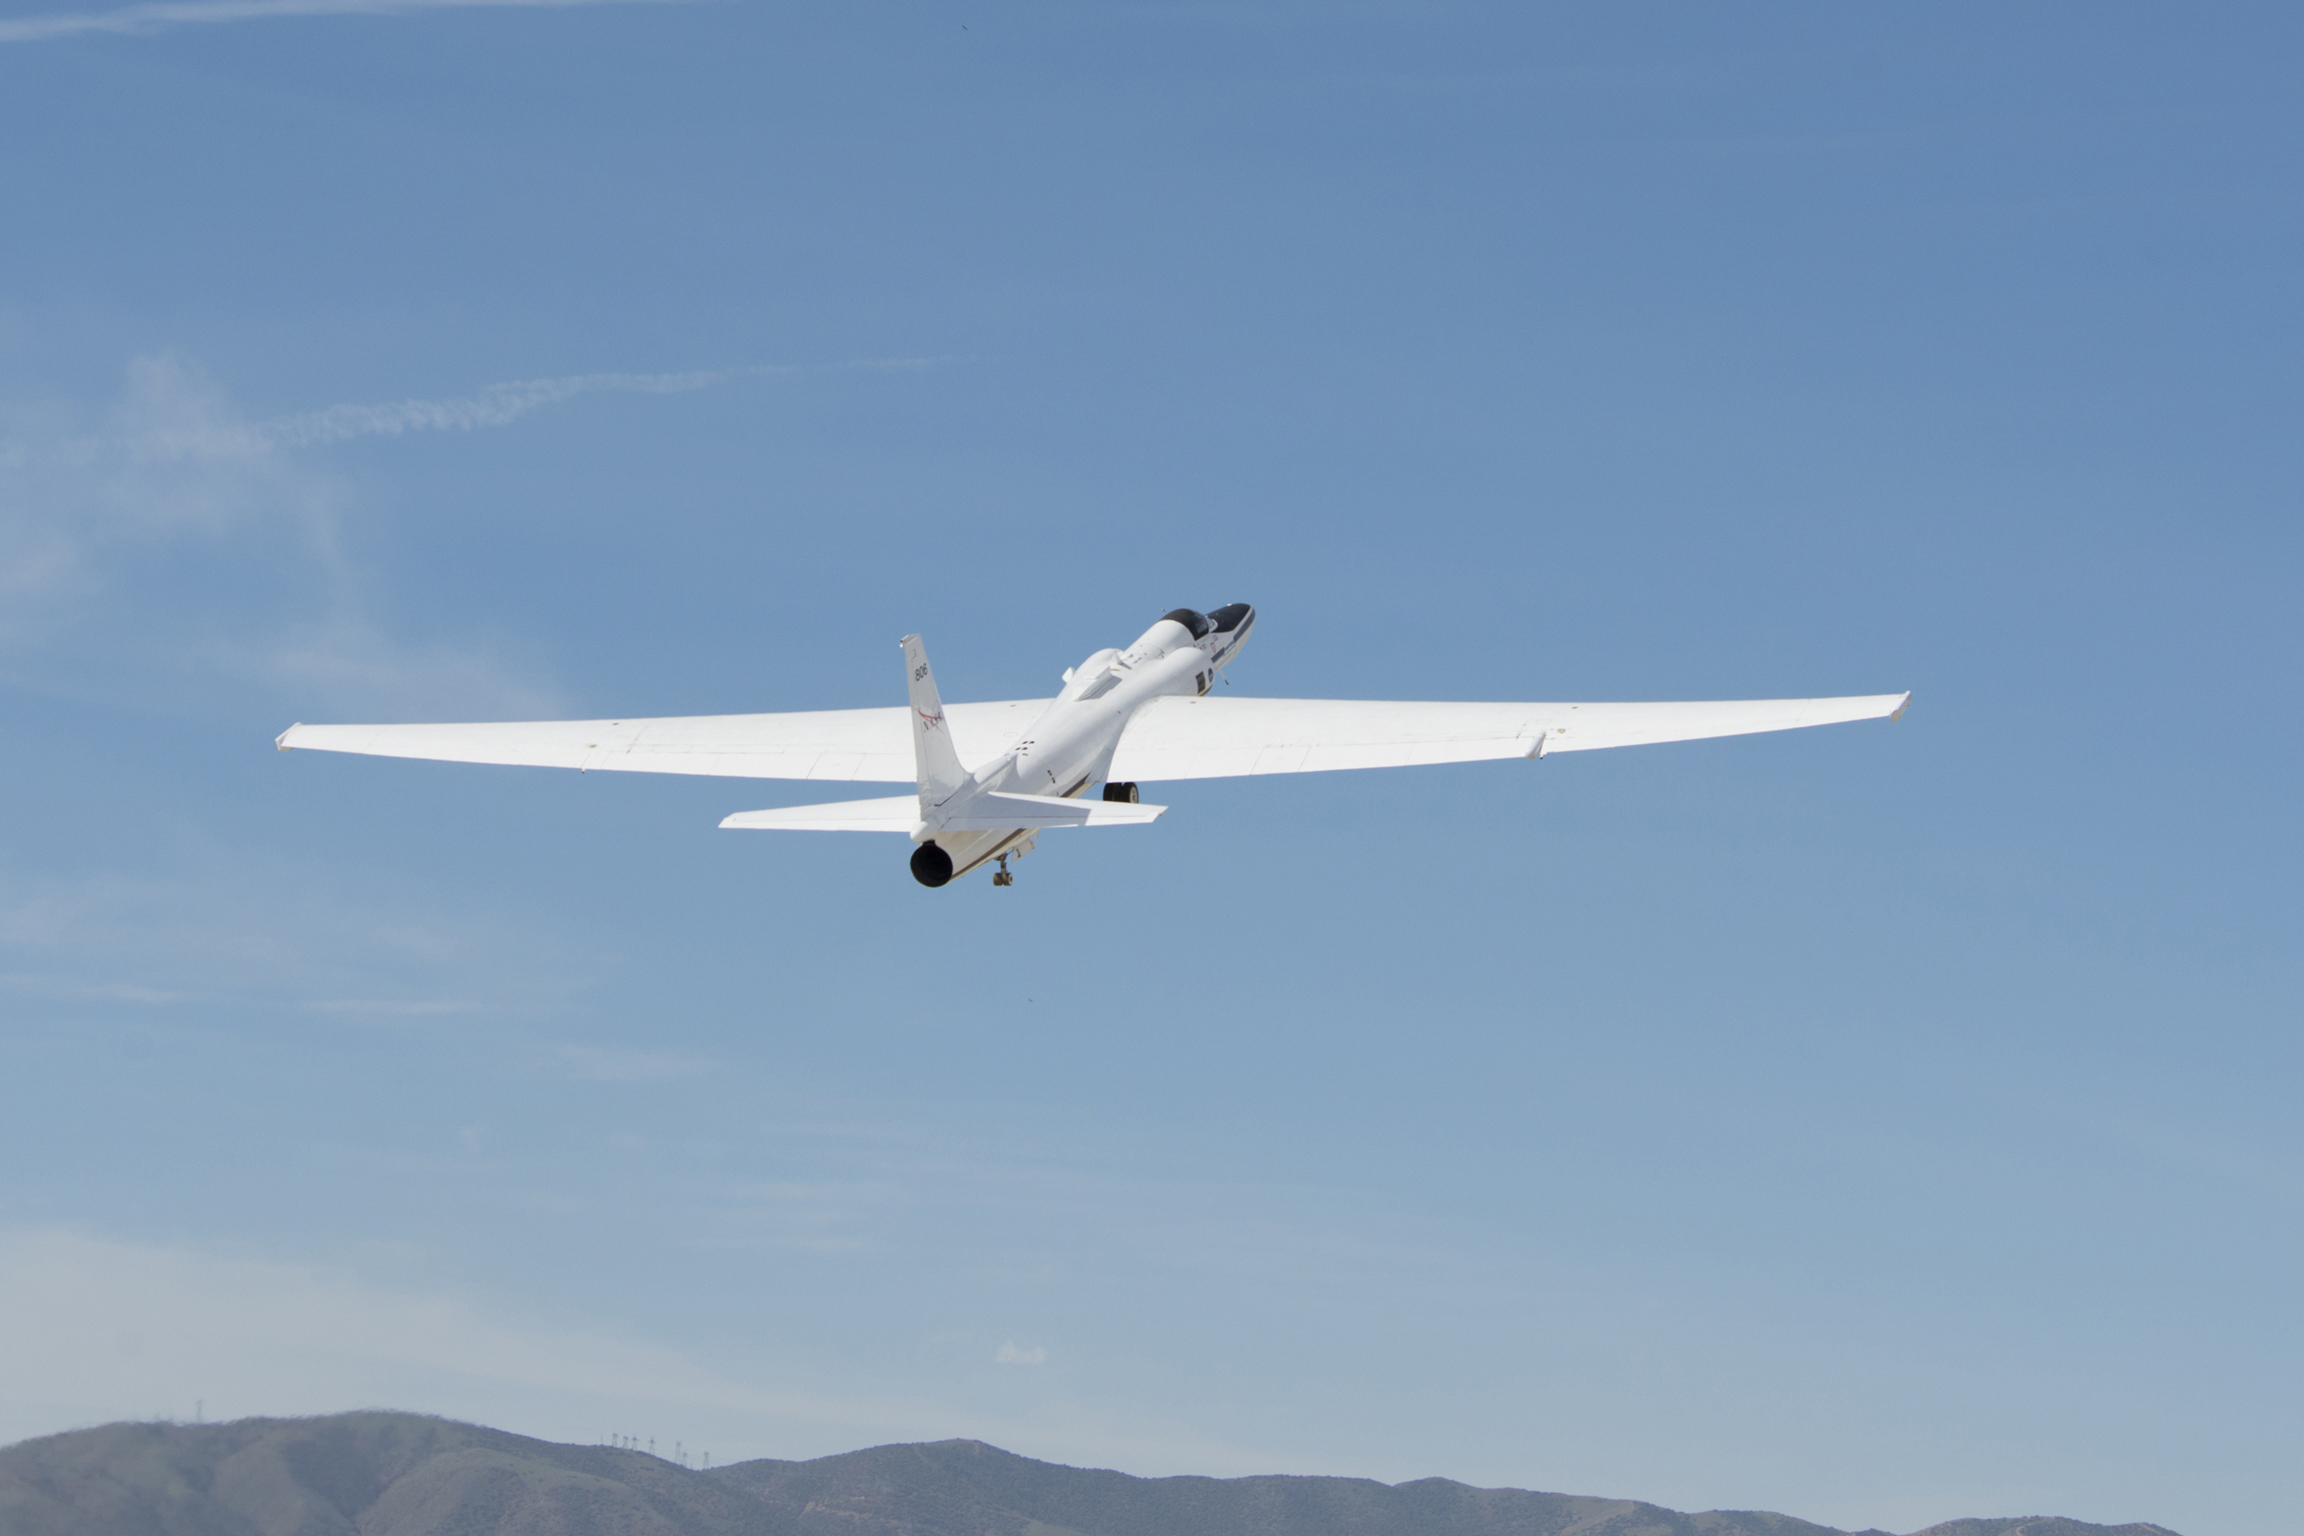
[[194, 427], [179, 13], [492, 407], [498, 404]]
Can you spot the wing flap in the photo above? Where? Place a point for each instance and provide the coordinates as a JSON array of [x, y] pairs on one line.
[[1223, 737]]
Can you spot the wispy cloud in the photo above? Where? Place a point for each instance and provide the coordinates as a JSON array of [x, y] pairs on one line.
[[103, 992], [107, 508], [174, 531], [131, 19], [173, 460], [262, 938], [497, 405], [1012, 1353], [822, 1217], [174, 414], [601, 1065]]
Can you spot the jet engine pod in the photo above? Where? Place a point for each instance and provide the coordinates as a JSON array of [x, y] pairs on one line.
[[1124, 793], [931, 865]]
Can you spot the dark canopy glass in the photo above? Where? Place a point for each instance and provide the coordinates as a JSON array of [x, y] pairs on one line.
[[1192, 619]]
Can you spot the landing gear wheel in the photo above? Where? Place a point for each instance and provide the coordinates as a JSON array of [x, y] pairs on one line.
[[1003, 877], [1125, 793]]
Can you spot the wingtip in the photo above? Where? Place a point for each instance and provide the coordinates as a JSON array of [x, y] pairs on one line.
[[1902, 705], [280, 742]]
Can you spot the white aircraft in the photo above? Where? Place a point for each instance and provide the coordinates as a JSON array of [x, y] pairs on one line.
[[1123, 716]]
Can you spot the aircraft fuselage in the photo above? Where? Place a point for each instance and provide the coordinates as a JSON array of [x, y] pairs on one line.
[[1069, 747]]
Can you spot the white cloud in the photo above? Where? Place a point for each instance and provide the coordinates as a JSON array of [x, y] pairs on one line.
[[103, 992], [99, 522], [348, 662], [266, 935], [173, 461], [823, 1217], [497, 405], [176, 459], [111, 509], [176, 13], [602, 1065], [1012, 1353]]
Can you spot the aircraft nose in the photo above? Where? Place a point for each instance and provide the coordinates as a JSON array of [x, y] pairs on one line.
[[1231, 616]]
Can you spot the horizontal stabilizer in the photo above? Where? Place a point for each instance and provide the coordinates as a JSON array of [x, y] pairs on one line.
[[898, 813], [986, 813], [1008, 813]]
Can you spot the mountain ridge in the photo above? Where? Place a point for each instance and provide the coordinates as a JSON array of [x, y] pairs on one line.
[[381, 1473]]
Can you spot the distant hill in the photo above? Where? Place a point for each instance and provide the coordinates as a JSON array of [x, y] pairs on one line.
[[402, 1474]]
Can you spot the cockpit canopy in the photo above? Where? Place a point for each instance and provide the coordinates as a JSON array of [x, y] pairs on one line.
[[1192, 619], [1216, 635]]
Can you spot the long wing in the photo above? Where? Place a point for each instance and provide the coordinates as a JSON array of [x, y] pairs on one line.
[[1219, 737], [861, 745]]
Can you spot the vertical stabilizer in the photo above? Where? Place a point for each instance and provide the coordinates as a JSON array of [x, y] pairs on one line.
[[932, 752]]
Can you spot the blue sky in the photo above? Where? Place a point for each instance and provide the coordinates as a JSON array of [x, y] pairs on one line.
[[1880, 1124]]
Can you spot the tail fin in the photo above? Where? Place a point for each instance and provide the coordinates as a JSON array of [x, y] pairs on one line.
[[932, 753]]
